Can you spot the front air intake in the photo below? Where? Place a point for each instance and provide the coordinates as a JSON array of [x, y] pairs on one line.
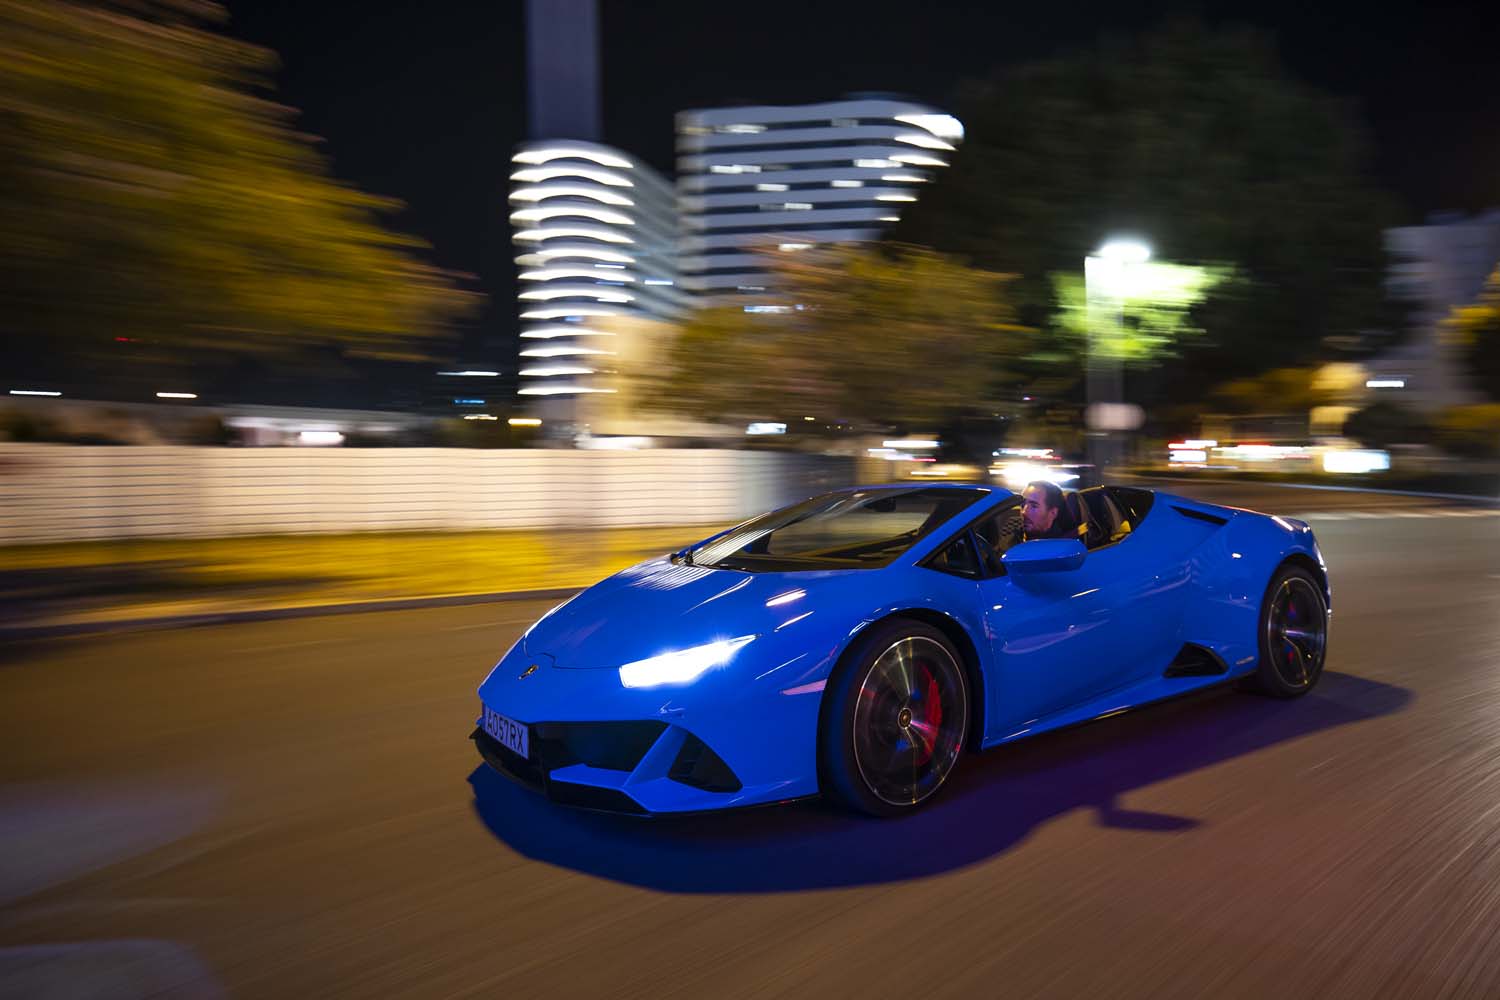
[[700, 767]]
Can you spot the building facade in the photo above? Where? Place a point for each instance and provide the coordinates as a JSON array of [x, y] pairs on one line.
[[596, 238], [1437, 267], [761, 180]]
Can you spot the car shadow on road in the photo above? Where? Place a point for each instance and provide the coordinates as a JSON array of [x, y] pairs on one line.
[[995, 800]]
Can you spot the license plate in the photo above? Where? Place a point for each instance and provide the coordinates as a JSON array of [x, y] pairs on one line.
[[510, 733]]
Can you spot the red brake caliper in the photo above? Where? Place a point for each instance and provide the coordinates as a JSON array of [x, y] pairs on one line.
[[931, 715]]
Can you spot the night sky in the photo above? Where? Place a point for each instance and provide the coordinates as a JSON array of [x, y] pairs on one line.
[[424, 101]]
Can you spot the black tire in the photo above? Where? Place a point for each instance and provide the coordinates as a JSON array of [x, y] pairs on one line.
[[895, 717], [1293, 630]]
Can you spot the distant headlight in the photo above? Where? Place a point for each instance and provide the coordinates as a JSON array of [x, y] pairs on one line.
[[682, 666]]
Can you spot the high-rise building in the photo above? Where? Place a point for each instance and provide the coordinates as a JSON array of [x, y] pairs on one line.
[[596, 232], [1437, 267], [762, 180]]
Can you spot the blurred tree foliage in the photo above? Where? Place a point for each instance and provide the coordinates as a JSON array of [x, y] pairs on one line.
[[878, 337], [1283, 390], [1471, 431], [1476, 331], [1154, 320], [148, 190], [1383, 424], [1197, 141]]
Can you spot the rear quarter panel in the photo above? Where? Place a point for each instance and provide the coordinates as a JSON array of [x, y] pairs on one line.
[[1230, 571]]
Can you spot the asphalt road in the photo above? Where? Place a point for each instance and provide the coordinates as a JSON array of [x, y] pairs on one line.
[[293, 809]]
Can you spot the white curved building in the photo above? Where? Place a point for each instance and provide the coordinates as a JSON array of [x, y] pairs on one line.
[[777, 179], [596, 235]]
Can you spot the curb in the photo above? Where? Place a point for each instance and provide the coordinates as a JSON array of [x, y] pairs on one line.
[[9, 633]]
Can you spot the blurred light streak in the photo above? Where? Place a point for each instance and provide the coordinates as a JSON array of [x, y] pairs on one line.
[[471, 372], [562, 352], [915, 160], [942, 126], [600, 270], [34, 392], [525, 421], [176, 395], [535, 175], [561, 312], [1357, 461], [586, 232], [549, 332], [622, 443], [557, 390], [543, 213], [577, 291], [544, 254], [537, 194], [1020, 473], [925, 141], [549, 370], [1263, 452], [549, 153]]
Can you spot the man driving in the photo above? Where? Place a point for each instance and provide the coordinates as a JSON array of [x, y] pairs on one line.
[[1042, 512]]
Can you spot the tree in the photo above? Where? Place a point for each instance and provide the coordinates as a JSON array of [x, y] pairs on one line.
[[1155, 317], [148, 192], [1283, 390], [877, 337], [1475, 329], [1197, 141], [1383, 424]]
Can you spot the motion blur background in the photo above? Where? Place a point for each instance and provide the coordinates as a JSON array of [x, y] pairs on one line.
[[335, 305], [984, 244]]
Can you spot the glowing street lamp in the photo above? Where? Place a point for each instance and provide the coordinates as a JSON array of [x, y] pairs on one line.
[[1109, 274]]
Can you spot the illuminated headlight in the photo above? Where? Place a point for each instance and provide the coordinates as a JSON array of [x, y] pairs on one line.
[[682, 666]]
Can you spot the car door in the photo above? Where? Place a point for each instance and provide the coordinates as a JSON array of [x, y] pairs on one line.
[[1058, 639]]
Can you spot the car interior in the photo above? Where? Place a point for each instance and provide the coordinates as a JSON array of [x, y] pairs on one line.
[[1097, 516]]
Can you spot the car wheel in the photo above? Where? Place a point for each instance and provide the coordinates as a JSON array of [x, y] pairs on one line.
[[1293, 635], [895, 719]]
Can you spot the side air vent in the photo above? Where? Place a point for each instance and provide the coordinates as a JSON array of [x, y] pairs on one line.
[[1195, 661], [1199, 515], [700, 767]]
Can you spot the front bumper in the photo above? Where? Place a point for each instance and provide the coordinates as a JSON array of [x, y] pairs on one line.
[[639, 768]]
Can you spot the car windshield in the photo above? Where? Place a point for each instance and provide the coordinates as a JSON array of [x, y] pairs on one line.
[[852, 529]]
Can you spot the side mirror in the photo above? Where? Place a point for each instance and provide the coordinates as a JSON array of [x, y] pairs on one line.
[[1045, 555]]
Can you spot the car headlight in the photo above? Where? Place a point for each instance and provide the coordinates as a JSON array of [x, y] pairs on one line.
[[682, 666]]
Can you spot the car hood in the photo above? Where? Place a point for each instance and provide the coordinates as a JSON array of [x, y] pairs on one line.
[[657, 607]]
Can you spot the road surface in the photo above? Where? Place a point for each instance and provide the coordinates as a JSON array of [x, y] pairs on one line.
[[293, 809]]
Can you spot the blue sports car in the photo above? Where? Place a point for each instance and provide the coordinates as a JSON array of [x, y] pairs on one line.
[[855, 644]]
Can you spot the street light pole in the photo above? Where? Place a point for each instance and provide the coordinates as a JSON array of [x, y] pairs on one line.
[[1107, 273]]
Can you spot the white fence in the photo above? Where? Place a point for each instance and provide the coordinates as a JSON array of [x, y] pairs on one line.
[[65, 492]]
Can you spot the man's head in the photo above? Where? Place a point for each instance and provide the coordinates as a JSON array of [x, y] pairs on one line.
[[1040, 503]]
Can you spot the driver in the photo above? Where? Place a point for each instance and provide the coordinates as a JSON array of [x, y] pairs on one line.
[[1042, 512]]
